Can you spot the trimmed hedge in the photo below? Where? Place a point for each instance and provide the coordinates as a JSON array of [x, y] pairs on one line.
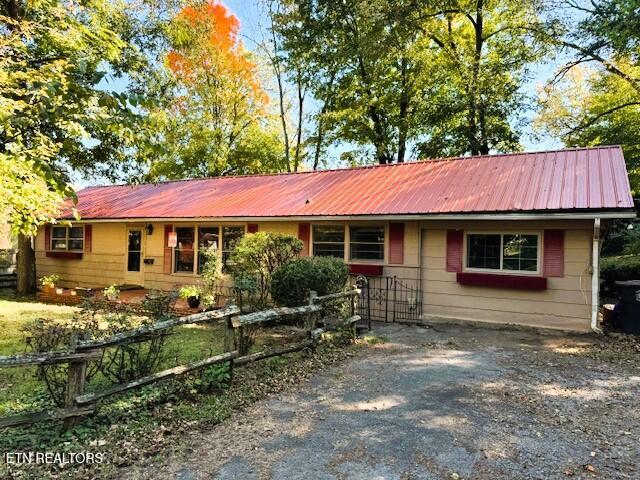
[[615, 269], [292, 282]]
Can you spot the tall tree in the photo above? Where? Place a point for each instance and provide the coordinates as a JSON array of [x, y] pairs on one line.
[[54, 119], [594, 98], [214, 106], [440, 78]]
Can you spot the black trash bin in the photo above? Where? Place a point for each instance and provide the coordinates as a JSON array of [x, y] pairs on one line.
[[629, 307]]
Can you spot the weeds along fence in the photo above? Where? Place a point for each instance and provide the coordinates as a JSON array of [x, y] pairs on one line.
[[77, 403]]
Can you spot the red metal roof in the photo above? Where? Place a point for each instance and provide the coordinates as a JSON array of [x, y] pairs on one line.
[[564, 180]]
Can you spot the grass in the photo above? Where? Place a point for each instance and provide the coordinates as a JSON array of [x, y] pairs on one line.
[[136, 425], [20, 391]]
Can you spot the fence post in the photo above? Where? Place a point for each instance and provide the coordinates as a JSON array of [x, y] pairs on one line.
[[311, 319], [75, 385]]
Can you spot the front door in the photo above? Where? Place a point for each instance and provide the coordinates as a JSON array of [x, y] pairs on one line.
[[134, 264]]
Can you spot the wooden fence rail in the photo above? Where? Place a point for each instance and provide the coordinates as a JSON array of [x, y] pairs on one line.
[[78, 403]]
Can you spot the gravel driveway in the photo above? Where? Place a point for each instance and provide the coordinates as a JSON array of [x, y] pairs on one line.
[[445, 402]]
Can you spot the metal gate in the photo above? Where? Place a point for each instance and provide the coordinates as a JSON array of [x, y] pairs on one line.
[[388, 299]]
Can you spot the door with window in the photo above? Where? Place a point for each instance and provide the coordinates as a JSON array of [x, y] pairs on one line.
[[133, 262]]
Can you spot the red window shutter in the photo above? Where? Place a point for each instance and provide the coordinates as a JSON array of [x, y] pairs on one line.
[[304, 234], [553, 260], [87, 238], [454, 250], [252, 228], [47, 237], [396, 243], [167, 249]]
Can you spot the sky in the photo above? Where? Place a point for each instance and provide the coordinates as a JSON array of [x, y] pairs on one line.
[[253, 27], [248, 11]]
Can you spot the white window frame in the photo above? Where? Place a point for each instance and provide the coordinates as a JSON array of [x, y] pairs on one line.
[[367, 260], [66, 238], [501, 270], [196, 245], [345, 238]]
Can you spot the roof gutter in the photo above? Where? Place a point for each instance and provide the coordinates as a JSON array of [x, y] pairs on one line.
[[400, 217], [595, 277]]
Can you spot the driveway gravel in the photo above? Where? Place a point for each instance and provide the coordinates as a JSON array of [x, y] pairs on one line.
[[444, 402]]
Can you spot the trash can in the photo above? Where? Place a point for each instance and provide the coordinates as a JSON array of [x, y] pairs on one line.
[[629, 307]]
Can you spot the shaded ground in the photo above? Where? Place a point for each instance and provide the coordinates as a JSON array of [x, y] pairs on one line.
[[431, 403]]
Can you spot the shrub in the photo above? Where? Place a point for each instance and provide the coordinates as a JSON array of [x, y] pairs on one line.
[[259, 255], [615, 269], [210, 274], [50, 280], [46, 335], [97, 319], [189, 291], [293, 281]]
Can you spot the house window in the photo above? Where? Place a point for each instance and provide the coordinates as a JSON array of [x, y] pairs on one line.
[[366, 243], [230, 236], [328, 241], [512, 252], [67, 239], [207, 237], [185, 249]]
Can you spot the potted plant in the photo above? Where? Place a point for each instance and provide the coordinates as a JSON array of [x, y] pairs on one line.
[[191, 293], [111, 293], [48, 282]]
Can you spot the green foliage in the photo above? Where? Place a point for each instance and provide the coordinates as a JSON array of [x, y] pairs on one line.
[[210, 379], [595, 97], [49, 280], [613, 269], [210, 273], [632, 241], [444, 77], [293, 281], [54, 118], [212, 116], [111, 292], [259, 255], [46, 335], [189, 291]]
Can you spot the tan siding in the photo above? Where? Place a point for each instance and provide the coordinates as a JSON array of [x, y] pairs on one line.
[[102, 266], [565, 304]]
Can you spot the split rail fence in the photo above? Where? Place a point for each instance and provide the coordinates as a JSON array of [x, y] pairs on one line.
[[78, 403]]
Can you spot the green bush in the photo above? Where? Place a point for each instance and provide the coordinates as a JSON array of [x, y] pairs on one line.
[[293, 281], [259, 255], [615, 269]]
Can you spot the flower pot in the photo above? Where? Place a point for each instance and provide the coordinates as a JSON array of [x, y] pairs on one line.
[[59, 290], [48, 290], [193, 302], [112, 297]]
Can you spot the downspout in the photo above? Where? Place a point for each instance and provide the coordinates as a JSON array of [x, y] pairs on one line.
[[595, 276]]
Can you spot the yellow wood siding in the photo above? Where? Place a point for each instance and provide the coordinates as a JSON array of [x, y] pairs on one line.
[[566, 304]]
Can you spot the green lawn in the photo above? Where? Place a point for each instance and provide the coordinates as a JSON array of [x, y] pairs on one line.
[[21, 391], [19, 387]]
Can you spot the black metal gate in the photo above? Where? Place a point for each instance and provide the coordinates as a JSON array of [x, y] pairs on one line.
[[388, 299]]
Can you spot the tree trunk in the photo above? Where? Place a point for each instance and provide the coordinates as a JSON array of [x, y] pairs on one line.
[[404, 110], [26, 266]]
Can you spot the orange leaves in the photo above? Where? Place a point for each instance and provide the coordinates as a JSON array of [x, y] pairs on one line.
[[220, 25], [205, 44]]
